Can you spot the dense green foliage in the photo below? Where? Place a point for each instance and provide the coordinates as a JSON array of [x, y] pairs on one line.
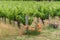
[[17, 10]]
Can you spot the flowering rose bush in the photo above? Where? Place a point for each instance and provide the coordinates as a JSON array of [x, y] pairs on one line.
[[34, 30]]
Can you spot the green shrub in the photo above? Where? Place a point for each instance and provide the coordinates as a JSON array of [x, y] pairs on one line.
[[35, 32]]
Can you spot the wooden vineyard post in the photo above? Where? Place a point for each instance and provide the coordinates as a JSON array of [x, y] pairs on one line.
[[18, 22], [2, 18], [9, 21], [49, 19], [26, 18], [5, 20], [54, 20]]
